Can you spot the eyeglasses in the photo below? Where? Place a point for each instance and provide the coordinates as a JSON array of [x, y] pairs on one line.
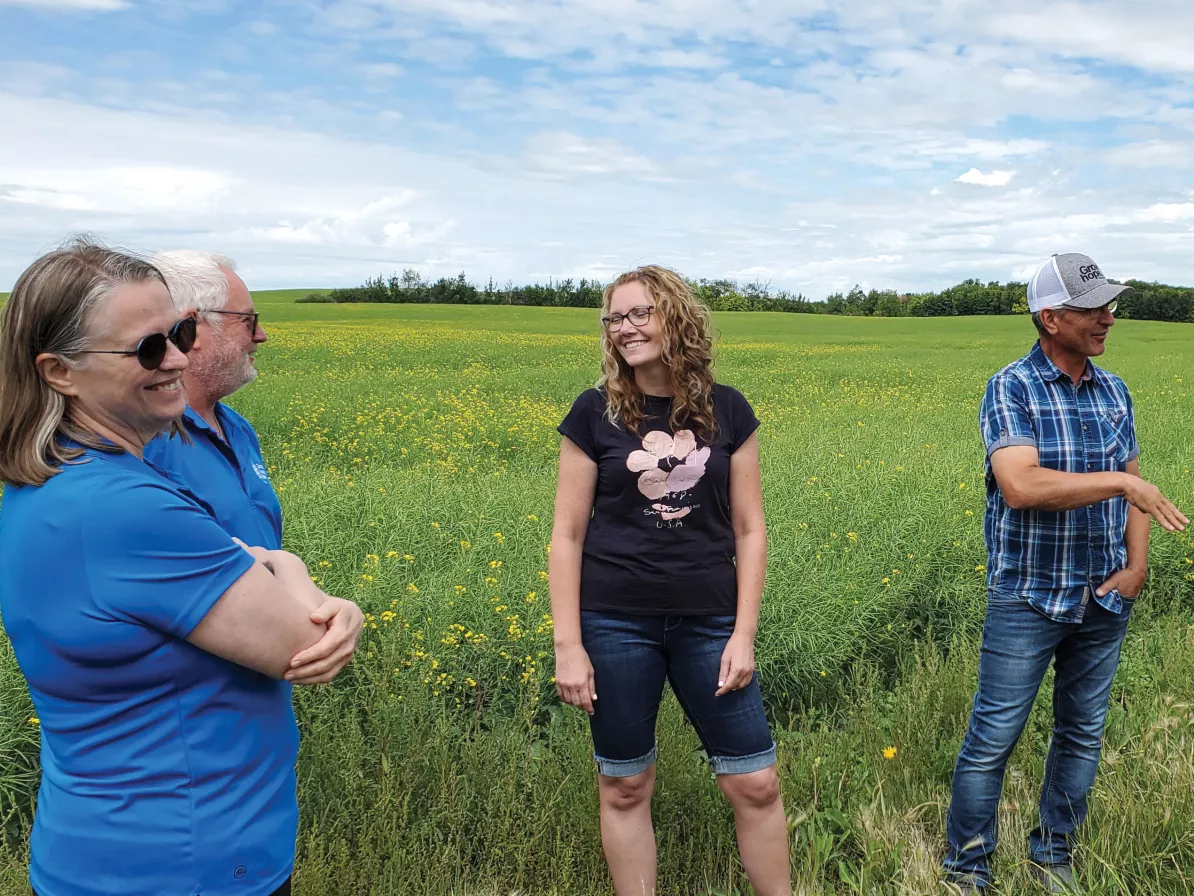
[[1091, 312], [151, 351], [638, 315], [251, 317]]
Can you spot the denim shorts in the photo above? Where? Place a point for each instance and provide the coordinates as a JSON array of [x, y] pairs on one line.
[[633, 655]]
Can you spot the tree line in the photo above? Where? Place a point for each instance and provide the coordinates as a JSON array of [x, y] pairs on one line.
[[1148, 301]]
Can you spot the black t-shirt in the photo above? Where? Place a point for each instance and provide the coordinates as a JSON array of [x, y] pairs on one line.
[[661, 541]]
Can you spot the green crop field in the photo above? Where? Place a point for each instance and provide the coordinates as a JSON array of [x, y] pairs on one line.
[[270, 296], [414, 451]]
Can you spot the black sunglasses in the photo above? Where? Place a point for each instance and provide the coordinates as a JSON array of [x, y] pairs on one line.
[[151, 351], [251, 316]]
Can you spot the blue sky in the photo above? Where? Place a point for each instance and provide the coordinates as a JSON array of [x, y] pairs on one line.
[[805, 143]]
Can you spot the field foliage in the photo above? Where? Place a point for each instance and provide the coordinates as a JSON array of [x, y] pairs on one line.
[[414, 448]]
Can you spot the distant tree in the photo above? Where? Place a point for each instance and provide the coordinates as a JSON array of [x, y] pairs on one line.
[[1147, 301], [855, 301], [934, 305], [888, 304]]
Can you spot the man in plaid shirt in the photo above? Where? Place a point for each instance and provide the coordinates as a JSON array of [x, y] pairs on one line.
[[1067, 526]]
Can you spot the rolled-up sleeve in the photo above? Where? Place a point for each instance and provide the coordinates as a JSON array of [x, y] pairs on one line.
[[1133, 445], [1005, 417]]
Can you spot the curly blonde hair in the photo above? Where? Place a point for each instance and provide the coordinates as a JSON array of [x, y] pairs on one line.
[[685, 325]]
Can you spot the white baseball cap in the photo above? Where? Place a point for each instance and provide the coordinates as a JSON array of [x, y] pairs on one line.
[[1073, 281]]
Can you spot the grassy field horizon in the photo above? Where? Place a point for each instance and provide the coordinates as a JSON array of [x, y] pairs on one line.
[[413, 448]]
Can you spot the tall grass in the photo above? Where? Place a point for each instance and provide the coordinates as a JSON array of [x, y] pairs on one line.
[[413, 449]]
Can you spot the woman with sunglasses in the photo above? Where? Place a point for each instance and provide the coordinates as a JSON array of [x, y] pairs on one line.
[[657, 566], [154, 645]]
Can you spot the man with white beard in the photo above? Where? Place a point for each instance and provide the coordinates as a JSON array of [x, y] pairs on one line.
[[223, 468]]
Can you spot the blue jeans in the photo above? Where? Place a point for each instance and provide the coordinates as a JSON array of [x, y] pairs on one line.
[[1018, 644], [633, 655]]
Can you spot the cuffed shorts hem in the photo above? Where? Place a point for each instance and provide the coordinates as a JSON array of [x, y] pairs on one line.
[[743, 765], [624, 768]]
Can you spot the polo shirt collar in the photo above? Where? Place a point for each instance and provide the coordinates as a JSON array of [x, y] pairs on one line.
[[119, 457], [1051, 372], [194, 421]]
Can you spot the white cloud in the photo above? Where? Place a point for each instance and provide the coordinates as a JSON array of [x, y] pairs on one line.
[[97, 5], [1150, 34], [1168, 212], [566, 155], [381, 69], [694, 59], [383, 222], [811, 144], [1153, 154], [992, 179], [118, 189]]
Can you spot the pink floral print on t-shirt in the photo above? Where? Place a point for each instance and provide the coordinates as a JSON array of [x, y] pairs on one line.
[[669, 466]]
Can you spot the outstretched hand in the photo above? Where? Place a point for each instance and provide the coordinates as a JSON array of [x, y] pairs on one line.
[[1146, 497]]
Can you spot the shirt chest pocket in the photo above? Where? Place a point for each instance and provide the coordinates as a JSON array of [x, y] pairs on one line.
[[1115, 425]]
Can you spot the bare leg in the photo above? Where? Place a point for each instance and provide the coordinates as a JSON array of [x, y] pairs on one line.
[[762, 829], [626, 832]]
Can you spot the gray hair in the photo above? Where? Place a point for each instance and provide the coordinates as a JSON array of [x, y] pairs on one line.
[[196, 279], [1040, 324]]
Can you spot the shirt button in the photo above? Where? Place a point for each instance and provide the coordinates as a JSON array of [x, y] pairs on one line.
[[1085, 428]]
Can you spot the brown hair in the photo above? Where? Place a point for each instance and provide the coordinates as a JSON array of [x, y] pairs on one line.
[[49, 311], [685, 325]]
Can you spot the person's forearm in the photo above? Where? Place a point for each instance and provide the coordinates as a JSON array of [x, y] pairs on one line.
[[563, 573], [1136, 538], [1040, 488], [292, 574], [750, 550]]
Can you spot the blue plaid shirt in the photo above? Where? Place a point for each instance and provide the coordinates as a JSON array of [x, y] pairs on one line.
[[1056, 560]]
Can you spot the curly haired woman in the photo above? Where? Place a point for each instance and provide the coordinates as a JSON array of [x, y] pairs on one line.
[[657, 566]]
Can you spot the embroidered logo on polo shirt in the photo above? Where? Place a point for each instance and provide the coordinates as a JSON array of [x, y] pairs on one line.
[[260, 471]]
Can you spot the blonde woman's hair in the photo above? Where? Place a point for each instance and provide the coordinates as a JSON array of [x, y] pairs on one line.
[[685, 325], [51, 310]]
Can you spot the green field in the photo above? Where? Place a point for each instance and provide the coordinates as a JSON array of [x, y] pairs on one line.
[[270, 296], [414, 448]]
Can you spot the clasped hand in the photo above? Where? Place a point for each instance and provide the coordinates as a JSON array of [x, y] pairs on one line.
[[327, 657]]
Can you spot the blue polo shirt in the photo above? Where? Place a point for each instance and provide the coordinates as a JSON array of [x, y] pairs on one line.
[[229, 476], [165, 769]]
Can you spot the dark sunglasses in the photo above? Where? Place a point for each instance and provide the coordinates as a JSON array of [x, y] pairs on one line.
[[251, 317], [151, 351]]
